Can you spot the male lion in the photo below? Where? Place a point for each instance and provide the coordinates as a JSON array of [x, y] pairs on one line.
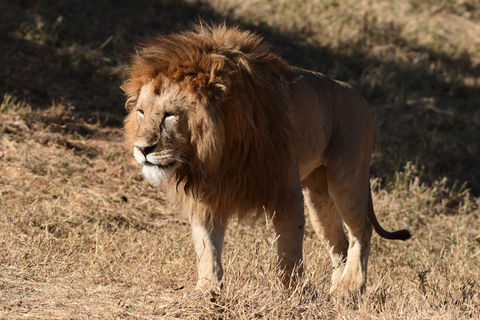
[[231, 130]]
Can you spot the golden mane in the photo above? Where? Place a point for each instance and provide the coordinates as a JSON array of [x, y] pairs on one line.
[[241, 129]]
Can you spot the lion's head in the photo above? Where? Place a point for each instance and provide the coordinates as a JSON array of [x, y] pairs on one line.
[[209, 118]]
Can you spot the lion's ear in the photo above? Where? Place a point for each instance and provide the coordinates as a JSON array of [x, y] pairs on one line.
[[131, 88], [219, 80], [219, 89], [130, 103]]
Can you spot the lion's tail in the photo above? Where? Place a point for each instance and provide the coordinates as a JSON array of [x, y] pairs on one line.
[[396, 235]]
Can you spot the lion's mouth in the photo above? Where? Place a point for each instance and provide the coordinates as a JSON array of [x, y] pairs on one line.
[[161, 166]]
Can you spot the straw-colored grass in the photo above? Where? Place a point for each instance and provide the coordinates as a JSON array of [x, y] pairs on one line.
[[83, 236]]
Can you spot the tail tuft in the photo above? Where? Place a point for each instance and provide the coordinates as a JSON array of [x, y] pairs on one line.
[[400, 235]]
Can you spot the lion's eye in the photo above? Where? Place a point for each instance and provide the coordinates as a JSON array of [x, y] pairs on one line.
[[168, 116], [140, 114]]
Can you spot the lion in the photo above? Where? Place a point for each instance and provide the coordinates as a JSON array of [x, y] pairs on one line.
[[230, 130]]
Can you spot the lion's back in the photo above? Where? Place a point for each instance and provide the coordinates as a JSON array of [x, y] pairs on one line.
[[326, 111]]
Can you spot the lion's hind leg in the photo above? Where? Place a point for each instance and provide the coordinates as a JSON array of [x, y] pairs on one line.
[[350, 193], [326, 221]]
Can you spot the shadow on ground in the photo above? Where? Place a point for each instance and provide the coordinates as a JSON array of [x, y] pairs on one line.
[[73, 53]]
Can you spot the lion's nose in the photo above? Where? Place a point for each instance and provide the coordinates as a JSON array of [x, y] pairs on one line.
[[146, 150]]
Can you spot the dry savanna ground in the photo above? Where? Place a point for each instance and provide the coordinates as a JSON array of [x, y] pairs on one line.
[[82, 236]]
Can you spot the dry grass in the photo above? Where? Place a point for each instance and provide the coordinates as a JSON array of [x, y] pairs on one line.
[[84, 237]]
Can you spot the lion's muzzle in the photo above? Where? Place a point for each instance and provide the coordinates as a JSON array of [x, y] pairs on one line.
[[157, 164], [141, 152], [150, 156]]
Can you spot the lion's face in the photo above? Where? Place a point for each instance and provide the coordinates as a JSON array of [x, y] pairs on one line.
[[158, 123]]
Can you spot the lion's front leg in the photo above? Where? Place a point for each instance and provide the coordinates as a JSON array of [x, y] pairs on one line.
[[289, 226], [208, 243]]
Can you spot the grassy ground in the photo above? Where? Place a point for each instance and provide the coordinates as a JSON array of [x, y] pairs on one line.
[[83, 236]]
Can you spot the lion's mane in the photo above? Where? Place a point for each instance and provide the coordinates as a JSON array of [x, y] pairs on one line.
[[241, 129]]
